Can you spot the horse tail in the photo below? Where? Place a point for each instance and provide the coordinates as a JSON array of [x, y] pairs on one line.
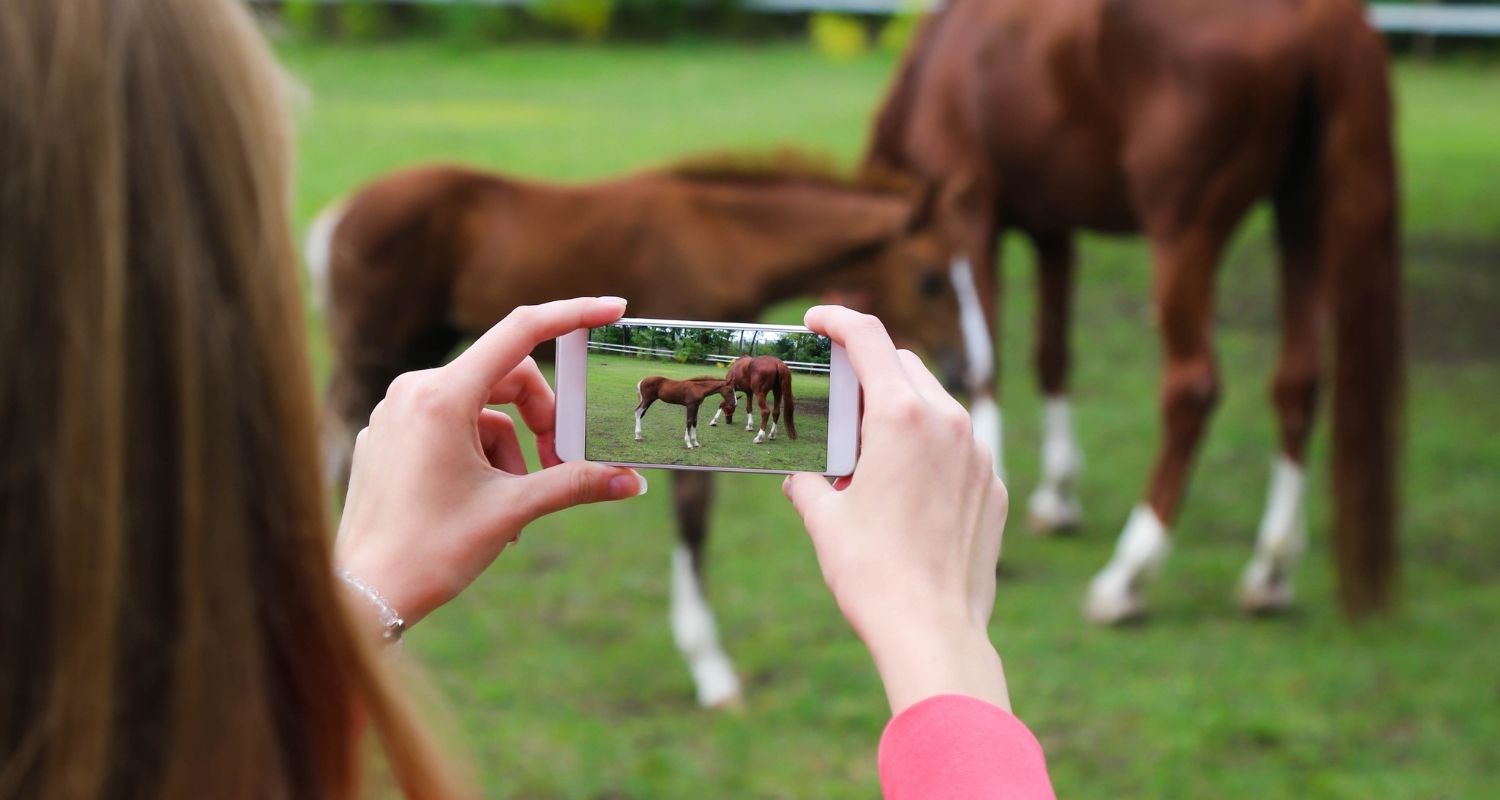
[[318, 252], [784, 396], [1359, 254]]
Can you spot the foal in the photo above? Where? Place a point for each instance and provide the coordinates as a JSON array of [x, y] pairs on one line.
[[758, 376], [690, 394], [411, 264]]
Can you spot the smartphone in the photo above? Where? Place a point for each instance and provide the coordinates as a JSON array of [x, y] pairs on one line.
[[707, 396]]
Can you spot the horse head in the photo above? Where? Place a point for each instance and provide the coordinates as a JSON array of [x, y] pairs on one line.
[[727, 404], [920, 285]]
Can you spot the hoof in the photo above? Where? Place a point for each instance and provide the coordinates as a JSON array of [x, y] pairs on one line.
[[1050, 512], [640, 438], [731, 704], [1111, 603], [1266, 592]]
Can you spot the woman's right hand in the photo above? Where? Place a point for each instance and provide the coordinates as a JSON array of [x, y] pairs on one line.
[[908, 544]]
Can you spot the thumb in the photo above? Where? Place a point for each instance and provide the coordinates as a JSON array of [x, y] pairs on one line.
[[804, 489], [575, 483]]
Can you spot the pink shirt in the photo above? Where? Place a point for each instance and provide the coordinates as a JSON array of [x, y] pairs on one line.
[[955, 746]]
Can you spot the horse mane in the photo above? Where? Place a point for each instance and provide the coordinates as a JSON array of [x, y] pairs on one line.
[[786, 165]]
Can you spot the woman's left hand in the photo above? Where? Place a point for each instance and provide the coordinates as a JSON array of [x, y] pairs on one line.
[[439, 486]]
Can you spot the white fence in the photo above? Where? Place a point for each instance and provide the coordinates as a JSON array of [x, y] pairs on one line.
[[631, 350], [1433, 20]]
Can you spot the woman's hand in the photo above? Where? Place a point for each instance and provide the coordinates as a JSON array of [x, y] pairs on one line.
[[439, 486], [908, 544]]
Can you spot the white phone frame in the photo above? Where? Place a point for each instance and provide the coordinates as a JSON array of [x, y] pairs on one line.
[[572, 396]]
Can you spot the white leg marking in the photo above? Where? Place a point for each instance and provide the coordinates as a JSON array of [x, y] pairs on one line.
[[760, 437], [638, 410], [978, 339], [714, 423], [687, 437], [749, 422], [1267, 582], [773, 430], [694, 431], [1054, 504], [698, 637], [1115, 593], [985, 418]]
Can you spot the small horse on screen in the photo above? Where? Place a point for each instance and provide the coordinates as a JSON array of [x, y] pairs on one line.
[[690, 394], [759, 376]]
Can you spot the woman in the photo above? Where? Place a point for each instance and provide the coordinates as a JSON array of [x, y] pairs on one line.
[[171, 623]]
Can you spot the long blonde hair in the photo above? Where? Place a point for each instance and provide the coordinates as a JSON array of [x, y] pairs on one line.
[[169, 625]]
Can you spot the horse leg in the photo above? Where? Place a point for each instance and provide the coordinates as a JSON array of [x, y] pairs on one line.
[[1184, 273], [691, 431], [640, 408], [749, 412], [1267, 582], [364, 366], [352, 395], [976, 283], [693, 626], [1054, 504], [775, 412], [765, 415]]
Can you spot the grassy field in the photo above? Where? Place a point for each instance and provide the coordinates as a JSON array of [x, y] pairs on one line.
[[610, 435], [559, 665]]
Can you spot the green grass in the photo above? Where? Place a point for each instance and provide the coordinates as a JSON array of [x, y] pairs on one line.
[[610, 427], [559, 663]]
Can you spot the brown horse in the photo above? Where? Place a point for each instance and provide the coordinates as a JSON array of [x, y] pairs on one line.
[[419, 259], [688, 393], [1172, 118], [757, 377]]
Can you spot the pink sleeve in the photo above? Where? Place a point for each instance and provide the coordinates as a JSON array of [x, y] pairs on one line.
[[954, 746]]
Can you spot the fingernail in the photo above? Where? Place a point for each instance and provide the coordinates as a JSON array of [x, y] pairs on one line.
[[626, 485], [619, 301], [642, 479]]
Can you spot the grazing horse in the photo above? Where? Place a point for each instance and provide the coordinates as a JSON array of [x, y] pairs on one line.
[[1172, 118], [414, 262], [758, 376], [688, 393]]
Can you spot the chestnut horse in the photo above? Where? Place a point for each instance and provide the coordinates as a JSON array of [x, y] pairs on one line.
[[758, 376], [690, 394], [414, 262], [1172, 118]]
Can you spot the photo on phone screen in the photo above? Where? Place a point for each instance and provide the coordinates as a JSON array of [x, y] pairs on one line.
[[759, 397]]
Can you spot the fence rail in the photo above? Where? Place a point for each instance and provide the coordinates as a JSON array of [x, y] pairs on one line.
[[626, 349], [1433, 20]]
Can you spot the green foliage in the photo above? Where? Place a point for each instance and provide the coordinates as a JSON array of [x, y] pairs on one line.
[[301, 18], [690, 351], [807, 347], [838, 36], [898, 31], [588, 20], [362, 20], [470, 22]]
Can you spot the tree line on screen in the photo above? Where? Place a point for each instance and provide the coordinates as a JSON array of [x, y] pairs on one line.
[[695, 345]]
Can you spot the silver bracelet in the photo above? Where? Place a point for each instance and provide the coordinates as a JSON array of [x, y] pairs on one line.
[[391, 623]]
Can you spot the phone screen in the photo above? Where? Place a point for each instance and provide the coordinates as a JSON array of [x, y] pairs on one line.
[[716, 397]]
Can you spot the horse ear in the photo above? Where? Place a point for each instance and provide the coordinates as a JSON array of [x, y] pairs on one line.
[[950, 201]]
